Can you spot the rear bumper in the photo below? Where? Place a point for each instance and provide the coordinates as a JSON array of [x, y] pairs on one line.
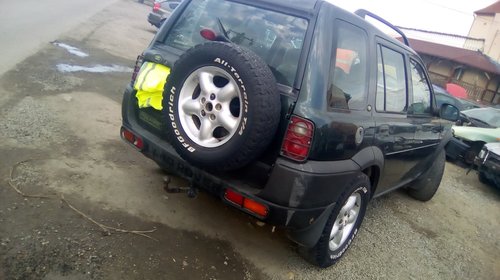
[[299, 197]]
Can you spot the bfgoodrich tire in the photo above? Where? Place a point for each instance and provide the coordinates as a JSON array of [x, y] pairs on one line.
[[221, 105], [426, 186], [343, 224]]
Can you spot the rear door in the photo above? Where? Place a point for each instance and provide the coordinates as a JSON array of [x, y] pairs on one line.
[[395, 131], [428, 126], [407, 132]]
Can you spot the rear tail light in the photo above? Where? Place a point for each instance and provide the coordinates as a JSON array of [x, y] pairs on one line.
[[234, 197], [137, 67], [156, 7], [246, 203], [133, 139], [298, 139], [255, 207]]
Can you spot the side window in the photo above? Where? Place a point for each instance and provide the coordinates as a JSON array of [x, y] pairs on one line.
[[391, 82], [347, 89], [421, 91]]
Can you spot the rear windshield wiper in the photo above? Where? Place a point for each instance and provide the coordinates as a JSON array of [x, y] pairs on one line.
[[223, 30]]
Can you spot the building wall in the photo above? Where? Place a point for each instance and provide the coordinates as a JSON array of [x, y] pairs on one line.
[[488, 27], [475, 81], [493, 49], [474, 77]]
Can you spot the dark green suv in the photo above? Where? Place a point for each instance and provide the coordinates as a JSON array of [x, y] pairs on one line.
[[296, 112]]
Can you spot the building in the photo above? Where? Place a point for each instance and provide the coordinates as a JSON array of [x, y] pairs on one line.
[[486, 25], [472, 61], [473, 70]]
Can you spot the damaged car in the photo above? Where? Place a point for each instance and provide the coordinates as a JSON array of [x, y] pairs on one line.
[[297, 113], [475, 128], [488, 162]]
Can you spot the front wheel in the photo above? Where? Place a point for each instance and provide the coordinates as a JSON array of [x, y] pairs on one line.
[[343, 224], [472, 152], [425, 187], [482, 178]]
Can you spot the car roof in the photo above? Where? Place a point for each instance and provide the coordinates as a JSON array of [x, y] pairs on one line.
[[307, 8], [303, 5], [304, 8]]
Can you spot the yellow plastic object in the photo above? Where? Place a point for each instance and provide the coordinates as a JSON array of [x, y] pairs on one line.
[[150, 83]]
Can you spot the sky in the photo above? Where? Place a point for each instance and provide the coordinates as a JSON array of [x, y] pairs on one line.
[[447, 16]]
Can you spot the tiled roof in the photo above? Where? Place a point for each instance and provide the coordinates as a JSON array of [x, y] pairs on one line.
[[471, 58], [490, 10]]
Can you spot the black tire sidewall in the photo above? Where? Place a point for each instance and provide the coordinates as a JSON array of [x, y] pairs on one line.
[[425, 187], [482, 177], [226, 61]]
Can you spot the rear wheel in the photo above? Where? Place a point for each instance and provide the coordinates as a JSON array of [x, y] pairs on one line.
[[343, 224]]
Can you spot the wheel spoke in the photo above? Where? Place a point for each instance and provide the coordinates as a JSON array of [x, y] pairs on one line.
[[345, 233], [353, 214], [191, 106], [206, 130], [228, 121], [351, 201], [227, 93], [336, 240], [335, 230], [207, 83]]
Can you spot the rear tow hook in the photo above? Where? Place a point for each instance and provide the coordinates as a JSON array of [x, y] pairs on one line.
[[191, 190]]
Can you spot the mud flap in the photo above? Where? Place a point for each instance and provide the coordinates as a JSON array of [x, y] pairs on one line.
[[309, 236]]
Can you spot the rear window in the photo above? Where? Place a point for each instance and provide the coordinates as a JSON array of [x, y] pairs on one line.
[[275, 37]]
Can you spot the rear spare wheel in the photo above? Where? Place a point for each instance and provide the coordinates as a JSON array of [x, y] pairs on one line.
[[221, 105]]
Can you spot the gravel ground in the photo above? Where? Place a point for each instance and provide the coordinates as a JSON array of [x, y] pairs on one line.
[[67, 127]]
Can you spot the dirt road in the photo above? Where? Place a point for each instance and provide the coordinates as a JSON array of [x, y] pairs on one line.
[[60, 137], [25, 27]]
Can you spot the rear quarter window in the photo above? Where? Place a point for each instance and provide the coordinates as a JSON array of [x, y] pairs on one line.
[[347, 88]]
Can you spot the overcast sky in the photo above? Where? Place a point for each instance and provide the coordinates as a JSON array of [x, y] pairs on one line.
[[448, 16]]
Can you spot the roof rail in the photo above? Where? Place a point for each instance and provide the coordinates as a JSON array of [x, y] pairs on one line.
[[363, 13]]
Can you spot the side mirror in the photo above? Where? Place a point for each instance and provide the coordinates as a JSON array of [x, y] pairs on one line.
[[449, 112]]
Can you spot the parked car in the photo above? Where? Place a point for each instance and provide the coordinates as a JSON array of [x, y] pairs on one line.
[[442, 97], [469, 104], [488, 164], [270, 106], [474, 128], [161, 11]]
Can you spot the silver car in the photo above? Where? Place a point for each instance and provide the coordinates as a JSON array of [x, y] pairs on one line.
[[161, 11]]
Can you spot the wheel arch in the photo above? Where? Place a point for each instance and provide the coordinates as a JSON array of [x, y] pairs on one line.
[[371, 162]]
